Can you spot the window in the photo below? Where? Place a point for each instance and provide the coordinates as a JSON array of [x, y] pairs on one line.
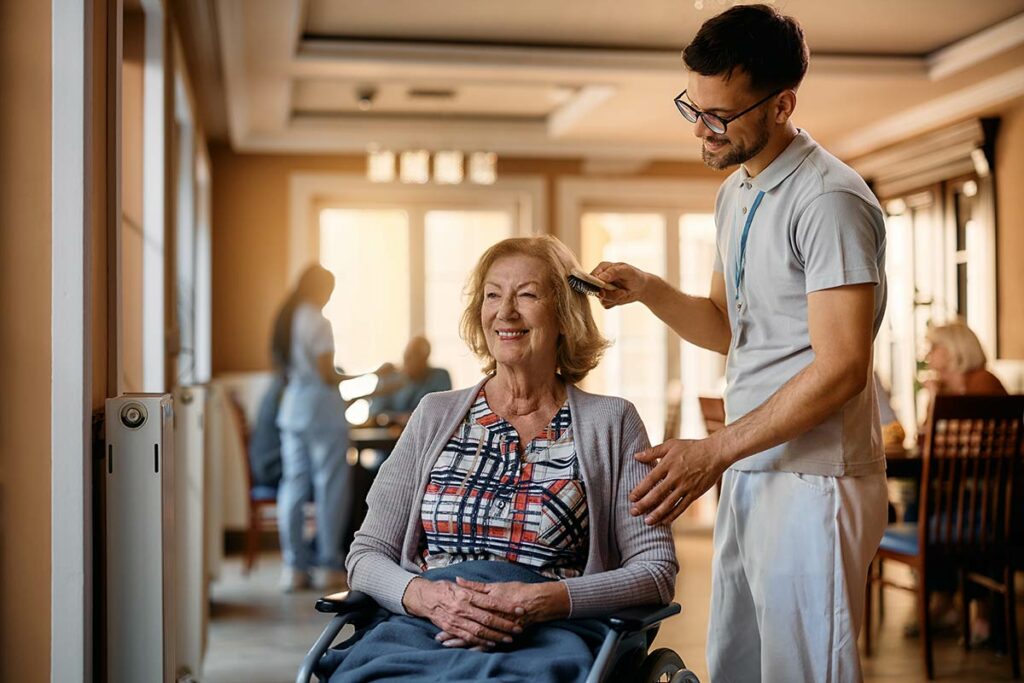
[[367, 250], [401, 271], [702, 372], [635, 366], [939, 266], [454, 241]]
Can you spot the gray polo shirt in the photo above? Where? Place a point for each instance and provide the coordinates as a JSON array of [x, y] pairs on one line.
[[817, 226]]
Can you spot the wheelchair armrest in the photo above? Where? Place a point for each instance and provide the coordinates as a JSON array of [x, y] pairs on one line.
[[642, 617], [346, 602]]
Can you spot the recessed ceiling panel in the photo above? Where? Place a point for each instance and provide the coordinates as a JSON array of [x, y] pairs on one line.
[[315, 96], [851, 26]]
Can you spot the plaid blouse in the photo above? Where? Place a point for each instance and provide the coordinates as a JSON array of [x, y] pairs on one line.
[[486, 501]]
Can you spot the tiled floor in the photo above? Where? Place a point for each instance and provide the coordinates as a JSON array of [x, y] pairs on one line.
[[258, 635]]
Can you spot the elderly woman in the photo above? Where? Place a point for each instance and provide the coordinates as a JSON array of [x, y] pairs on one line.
[[957, 362], [503, 509]]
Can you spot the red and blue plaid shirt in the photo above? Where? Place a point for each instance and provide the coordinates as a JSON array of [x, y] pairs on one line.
[[488, 500]]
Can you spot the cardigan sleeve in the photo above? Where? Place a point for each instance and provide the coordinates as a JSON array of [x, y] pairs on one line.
[[374, 560], [648, 560]]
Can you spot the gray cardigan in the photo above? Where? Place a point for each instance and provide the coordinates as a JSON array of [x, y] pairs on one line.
[[629, 563]]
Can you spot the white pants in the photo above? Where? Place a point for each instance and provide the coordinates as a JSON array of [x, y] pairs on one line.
[[314, 460], [789, 574]]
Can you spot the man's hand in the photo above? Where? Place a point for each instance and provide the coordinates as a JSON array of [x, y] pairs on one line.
[[683, 472], [631, 282], [467, 617]]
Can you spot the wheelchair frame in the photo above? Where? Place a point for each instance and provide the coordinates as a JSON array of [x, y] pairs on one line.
[[629, 630]]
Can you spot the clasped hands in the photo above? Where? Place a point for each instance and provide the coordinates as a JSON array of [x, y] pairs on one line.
[[482, 615]]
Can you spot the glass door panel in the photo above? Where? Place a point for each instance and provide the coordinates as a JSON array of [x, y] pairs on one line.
[[702, 372], [367, 250], [635, 366], [453, 241]]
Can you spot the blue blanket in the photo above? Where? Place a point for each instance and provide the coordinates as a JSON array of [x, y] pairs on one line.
[[402, 648]]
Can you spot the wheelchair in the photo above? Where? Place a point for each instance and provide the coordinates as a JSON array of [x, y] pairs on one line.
[[623, 655]]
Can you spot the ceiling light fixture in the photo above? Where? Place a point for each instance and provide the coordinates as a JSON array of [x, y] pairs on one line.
[[415, 166], [365, 95], [448, 167], [380, 166], [483, 168]]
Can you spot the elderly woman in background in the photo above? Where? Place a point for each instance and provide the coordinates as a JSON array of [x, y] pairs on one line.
[[957, 362], [504, 507]]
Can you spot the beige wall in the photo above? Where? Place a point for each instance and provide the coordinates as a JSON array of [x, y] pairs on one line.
[[25, 73], [250, 238], [1010, 225]]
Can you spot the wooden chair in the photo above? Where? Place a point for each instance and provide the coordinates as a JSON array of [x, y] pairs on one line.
[[673, 409], [713, 410], [971, 464], [262, 499]]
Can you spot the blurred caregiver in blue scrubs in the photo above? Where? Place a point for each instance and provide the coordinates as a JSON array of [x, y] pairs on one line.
[[314, 436]]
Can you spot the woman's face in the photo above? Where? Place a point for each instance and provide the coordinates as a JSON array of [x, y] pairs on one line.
[[519, 313], [939, 359]]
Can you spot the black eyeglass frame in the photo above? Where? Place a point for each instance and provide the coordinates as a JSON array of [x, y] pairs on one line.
[[685, 109]]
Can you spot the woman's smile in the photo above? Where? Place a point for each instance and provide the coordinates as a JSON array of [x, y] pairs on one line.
[[511, 335]]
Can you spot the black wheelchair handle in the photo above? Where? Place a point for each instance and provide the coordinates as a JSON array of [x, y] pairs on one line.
[[642, 617], [346, 601]]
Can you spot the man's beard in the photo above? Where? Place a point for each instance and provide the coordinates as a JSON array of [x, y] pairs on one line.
[[735, 154]]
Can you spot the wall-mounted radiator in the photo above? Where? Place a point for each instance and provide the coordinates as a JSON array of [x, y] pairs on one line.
[[140, 539]]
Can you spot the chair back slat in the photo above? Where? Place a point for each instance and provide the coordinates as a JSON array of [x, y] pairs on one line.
[[972, 457], [241, 425]]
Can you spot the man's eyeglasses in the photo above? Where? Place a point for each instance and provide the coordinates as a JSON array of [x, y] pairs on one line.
[[715, 123]]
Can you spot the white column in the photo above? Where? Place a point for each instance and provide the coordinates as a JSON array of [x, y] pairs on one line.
[[154, 131], [70, 434]]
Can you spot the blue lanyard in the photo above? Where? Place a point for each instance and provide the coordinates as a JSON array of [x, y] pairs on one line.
[[741, 261]]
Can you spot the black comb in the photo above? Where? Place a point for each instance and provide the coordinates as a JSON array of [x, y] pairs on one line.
[[588, 284]]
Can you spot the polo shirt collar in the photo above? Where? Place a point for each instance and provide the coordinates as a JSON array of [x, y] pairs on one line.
[[783, 165]]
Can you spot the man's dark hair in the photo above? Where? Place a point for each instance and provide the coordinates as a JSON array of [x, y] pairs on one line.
[[757, 39]]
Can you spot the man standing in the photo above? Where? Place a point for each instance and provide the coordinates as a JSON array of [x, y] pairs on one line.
[[797, 295]]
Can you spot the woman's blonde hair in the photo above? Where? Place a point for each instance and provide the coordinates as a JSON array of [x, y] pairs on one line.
[[580, 344], [962, 343]]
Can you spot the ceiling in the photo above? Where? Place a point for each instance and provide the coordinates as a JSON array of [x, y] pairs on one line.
[[576, 78]]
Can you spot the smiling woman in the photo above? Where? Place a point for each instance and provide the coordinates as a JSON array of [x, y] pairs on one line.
[[544, 262]]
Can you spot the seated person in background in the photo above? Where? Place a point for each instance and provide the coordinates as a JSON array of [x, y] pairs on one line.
[[265, 437], [406, 389], [503, 509], [957, 363]]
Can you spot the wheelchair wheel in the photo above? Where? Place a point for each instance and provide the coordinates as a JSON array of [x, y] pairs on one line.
[[661, 666]]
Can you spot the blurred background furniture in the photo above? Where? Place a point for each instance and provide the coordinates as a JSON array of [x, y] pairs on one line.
[[712, 408], [673, 409], [262, 499], [970, 464]]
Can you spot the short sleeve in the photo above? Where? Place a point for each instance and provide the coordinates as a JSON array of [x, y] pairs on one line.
[[322, 339], [839, 238]]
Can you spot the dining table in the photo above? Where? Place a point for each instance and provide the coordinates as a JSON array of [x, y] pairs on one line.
[[370, 445], [902, 462], [903, 469]]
